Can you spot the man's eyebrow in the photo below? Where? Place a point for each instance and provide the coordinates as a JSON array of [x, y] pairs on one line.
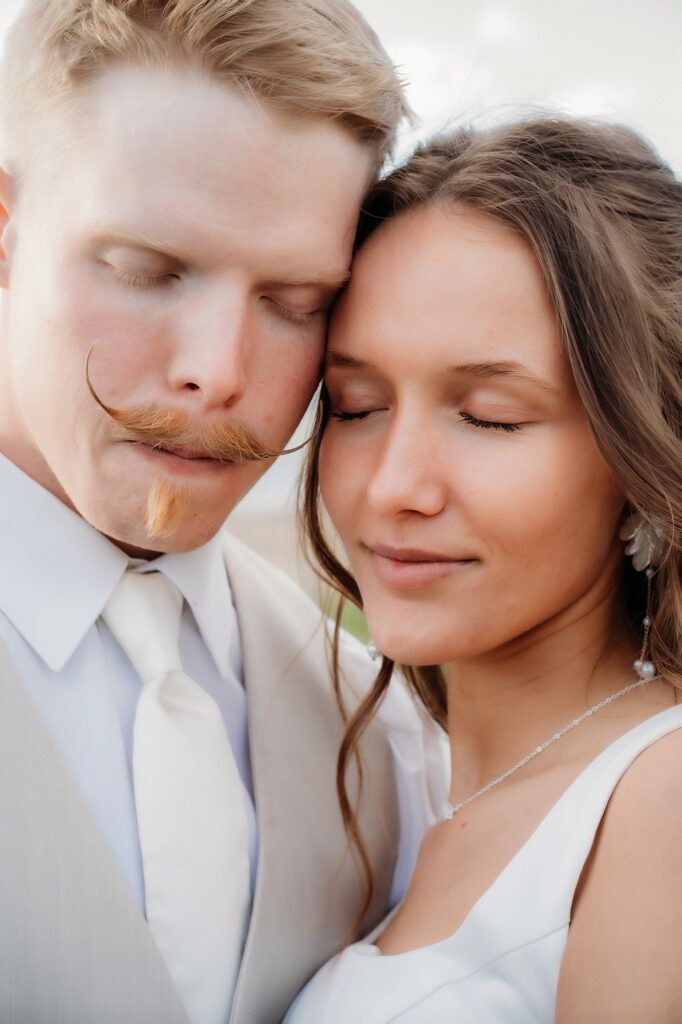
[[123, 236], [321, 280], [515, 371]]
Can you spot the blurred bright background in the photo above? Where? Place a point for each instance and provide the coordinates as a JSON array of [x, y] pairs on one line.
[[612, 59], [467, 60]]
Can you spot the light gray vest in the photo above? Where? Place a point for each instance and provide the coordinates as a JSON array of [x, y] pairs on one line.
[[74, 947]]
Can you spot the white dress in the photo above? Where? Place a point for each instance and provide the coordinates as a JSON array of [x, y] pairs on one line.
[[502, 964]]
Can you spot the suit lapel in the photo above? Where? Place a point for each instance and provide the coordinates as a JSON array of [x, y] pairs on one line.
[[73, 943], [307, 893]]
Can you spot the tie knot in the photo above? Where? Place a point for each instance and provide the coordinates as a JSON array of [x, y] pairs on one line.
[[143, 613]]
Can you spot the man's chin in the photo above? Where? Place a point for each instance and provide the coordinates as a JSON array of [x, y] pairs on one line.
[[137, 543], [167, 507], [168, 522]]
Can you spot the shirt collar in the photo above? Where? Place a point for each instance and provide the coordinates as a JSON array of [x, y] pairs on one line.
[[59, 572], [201, 577]]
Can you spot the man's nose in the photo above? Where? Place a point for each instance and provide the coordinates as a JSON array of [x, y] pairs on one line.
[[210, 349], [407, 475]]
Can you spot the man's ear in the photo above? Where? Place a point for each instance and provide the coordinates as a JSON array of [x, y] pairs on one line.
[[7, 194]]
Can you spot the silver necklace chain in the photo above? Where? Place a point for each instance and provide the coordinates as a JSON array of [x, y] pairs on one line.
[[451, 809]]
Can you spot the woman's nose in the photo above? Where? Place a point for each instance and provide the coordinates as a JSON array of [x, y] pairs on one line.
[[406, 476]]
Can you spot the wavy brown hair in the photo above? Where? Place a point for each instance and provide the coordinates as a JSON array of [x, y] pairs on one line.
[[603, 216]]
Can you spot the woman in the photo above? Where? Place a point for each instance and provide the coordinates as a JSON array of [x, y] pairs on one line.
[[501, 419]]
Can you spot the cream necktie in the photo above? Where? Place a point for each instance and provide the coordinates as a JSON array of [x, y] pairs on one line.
[[189, 801]]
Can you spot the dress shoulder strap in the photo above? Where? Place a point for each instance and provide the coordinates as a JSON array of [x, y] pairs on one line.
[[534, 894]]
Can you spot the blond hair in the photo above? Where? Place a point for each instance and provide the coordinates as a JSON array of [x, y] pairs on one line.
[[310, 58], [603, 216]]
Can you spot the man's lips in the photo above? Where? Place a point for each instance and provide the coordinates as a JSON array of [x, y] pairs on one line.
[[179, 458], [411, 568], [182, 453]]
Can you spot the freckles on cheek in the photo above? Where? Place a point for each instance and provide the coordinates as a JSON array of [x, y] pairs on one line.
[[74, 295], [549, 530], [339, 459], [297, 373], [336, 472], [343, 489], [74, 324]]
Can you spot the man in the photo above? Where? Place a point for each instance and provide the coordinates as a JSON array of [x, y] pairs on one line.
[[179, 196]]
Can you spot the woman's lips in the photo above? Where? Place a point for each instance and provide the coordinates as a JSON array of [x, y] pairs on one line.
[[411, 568]]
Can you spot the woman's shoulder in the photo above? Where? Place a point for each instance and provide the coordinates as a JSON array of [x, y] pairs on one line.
[[654, 775], [650, 788], [625, 938]]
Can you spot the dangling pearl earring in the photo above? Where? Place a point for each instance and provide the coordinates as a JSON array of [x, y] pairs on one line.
[[646, 669], [646, 547], [373, 650]]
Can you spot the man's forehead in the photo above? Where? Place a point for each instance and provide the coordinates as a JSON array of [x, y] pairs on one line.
[[167, 117], [182, 100], [177, 177], [203, 135]]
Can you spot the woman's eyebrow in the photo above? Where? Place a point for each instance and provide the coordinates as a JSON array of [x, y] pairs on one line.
[[484, 371], [350, 362], [515, 371]]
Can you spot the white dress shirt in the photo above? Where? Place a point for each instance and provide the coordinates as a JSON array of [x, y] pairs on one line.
[[57, 575]]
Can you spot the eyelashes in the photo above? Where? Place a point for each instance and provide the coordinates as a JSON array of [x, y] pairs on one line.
[[293, 316], [489, 424], [345, 417], [142, 281]]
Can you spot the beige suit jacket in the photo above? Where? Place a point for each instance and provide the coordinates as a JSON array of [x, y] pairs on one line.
[[74, 947]]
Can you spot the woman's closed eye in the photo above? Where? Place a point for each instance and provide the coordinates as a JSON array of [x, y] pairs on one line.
[[345, 416], [474, 421], [355, 400]]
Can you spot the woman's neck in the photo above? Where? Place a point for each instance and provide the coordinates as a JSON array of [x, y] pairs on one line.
[[503, 704]]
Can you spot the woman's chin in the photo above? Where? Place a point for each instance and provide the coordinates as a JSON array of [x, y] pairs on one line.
[[405, 650]]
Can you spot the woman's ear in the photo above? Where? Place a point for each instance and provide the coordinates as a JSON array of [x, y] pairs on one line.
[[7, 193]]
